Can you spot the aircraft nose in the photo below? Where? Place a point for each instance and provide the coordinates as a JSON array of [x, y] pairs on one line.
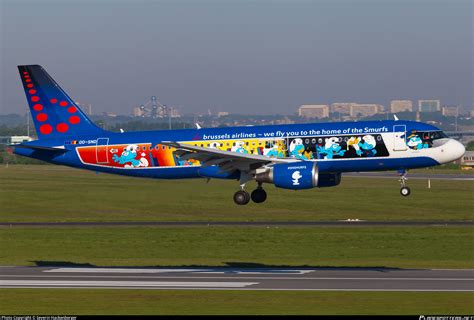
[[455, 149]]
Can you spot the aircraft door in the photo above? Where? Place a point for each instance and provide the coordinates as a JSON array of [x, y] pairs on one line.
[[399, 137], [102, 150]]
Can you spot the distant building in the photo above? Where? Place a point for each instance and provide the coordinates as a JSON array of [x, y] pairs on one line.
[[285, 120], [14, 139], [174, 113], [401, 106], [342, 107], [317, 111], [359, 110], [429, 105], [222, 114], [85, 106], [467, 160], [450, 111], [138, 112]]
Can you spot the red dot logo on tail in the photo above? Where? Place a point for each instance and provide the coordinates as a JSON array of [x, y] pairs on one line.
[[46, 129], [74, 119], [62, 127], [42, 117], [38, 107]]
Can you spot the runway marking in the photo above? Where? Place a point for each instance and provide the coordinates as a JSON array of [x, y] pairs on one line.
[[240, 289], [59, 283], [244, 278], [120, 270], [204, 271]]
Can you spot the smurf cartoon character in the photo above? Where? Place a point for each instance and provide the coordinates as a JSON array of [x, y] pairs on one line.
[[128, 157], [331, 148], [415, 142], [367, 146], [354, 143], [296, 176], [297, 149], [273, 151], [239, 147]]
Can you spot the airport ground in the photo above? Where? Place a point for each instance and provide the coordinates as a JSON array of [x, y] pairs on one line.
[[179, 302], [56, 194], [46, 193]]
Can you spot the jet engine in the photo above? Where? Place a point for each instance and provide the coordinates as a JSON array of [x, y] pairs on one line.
[[297, 175]]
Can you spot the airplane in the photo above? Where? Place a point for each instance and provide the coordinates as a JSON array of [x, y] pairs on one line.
[[296, 156]]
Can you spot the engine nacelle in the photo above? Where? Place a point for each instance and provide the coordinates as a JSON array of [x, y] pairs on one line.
[[298, 175], [326, 179]]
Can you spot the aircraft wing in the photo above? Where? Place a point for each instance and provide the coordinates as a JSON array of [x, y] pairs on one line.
[[226, 160]]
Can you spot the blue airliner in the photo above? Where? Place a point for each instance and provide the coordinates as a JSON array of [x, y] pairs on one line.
[[299, 156]]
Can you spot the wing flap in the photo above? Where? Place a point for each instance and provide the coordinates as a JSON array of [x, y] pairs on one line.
[[227, 161], [207, 152]]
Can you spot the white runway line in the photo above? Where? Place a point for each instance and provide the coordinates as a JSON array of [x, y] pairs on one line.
[[60, 283], [206, 271], [120, 270], [244, 278], [285, 272]]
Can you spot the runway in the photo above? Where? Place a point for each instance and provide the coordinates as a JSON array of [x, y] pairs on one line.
[[321, 279], [341, 223]]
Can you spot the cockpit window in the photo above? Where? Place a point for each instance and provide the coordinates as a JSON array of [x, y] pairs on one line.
[[423, 139], [437, 135]]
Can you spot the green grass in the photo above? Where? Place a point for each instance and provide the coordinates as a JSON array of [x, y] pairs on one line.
[[443, 169], [172, 302], [54, 193], [392, 247]]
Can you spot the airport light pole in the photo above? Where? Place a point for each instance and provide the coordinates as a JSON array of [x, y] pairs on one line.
[[168, 109]]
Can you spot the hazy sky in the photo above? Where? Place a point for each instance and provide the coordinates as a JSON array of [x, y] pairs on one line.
[[256, 57]]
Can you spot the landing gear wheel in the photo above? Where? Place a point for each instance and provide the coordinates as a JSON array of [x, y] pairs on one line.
[[259, 195], [241, 197], [405, 191]]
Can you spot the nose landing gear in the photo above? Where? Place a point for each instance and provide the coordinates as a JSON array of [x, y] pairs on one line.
[[404, 190]]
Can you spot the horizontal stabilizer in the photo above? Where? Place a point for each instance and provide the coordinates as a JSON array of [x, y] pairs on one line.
[[42, 148]]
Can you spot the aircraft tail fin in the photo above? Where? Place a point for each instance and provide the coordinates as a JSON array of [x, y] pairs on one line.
[[54, 113]]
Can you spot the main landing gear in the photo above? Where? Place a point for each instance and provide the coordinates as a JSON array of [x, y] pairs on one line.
[[259, 195], [242, 197], [404, 190]]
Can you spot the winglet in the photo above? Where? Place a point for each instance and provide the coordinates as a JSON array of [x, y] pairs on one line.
[[395, 117]]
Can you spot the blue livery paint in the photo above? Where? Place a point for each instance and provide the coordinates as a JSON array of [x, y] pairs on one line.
[[297, 175]]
